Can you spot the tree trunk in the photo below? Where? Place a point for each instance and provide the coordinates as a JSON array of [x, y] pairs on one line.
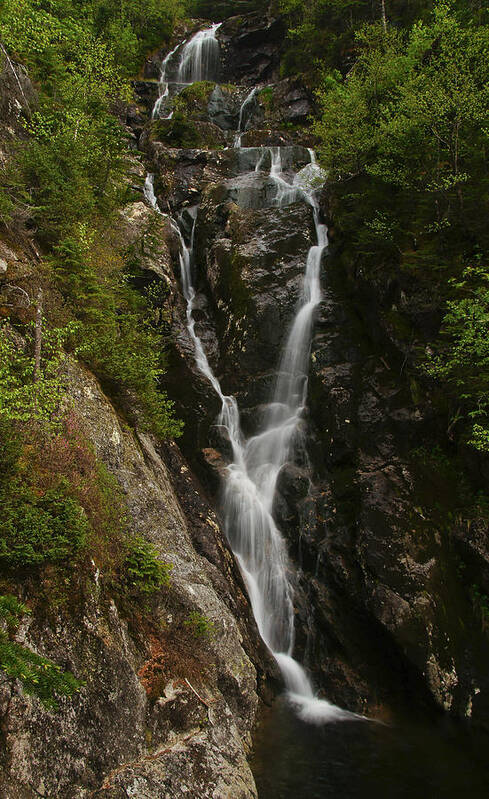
[[38, 338], [383, 15]]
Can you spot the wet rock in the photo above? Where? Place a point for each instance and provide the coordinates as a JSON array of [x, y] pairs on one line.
[[150, 239], [254, 269], [185, 133], [147, 92], [181, 174], [250, 48], [287, 101], [266, 137], [223, 108]]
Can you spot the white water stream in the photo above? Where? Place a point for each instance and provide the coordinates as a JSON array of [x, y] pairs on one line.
[[200, 57], [242, 120], [251, 479], [164, 87]]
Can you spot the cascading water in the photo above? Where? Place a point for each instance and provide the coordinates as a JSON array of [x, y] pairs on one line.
[[242, 116], [199, 60], [200, 57], [286, 194], [149, 192], [252, 476], [252, 480], [164, 87]]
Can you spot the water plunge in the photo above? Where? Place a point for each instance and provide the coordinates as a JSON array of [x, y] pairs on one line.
[[200, 57], [245, 106], [251, 478]]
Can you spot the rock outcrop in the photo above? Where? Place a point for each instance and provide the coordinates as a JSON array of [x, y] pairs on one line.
[[161, 707]]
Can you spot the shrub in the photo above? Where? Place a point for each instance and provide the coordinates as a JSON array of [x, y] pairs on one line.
[[38, 529], [22, 399], [39, 676], [199, 625], [142, 569]]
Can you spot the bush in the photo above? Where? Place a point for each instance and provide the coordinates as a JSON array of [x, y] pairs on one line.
[[73, 174], [116, 333], [143, 571], [199, 625], [34, 530], [39, 676], [404, 140], [22, 399]]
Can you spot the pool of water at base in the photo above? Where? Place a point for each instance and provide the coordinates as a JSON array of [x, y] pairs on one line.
[[349, 760]]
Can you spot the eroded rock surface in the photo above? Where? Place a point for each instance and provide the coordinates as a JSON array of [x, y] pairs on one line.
[[159, 708]]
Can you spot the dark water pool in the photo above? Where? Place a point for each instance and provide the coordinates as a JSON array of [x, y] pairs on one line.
[[346, 760]]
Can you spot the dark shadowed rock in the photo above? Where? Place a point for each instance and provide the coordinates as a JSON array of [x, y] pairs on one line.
[[250, 48]]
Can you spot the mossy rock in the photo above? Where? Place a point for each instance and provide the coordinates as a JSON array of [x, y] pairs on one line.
[[210, 102], [181, 132], [193, 100]]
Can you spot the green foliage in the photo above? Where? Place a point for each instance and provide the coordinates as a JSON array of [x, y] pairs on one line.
[[322, 32], [266, 97], [39, 676], [58, 503], [38, 529], [93, 35], [182, 131], [74, 168], [22, 399], [73, 175], [197, 94], [11, 610], [76, 144], [116, 333], [460, 358], [199, 625], [144, 572], [404, 138], [217, 10], [41, 522]]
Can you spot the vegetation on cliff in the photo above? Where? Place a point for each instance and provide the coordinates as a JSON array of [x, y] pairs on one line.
[[70, 178], [404, 110], [64, 182]]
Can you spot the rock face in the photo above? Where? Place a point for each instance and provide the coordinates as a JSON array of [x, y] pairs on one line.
[[18, 97], [159, 709], [170, 690], [250, 48], [254, 269]]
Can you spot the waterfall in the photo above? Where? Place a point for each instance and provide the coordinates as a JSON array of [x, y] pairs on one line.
[[242, 122], [251, 478], [286, 194], [149, 192], [200, 57], [164, 86], [199, 60]]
